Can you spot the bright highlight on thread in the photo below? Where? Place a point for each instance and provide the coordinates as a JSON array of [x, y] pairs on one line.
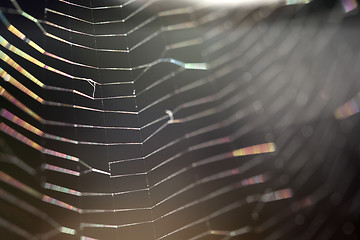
[[87, 238], [349, 108], [58, 188], [349, 5], [60, 169], [277, 195], [58, 203], [198, 66], [256, 149], [67, 230]]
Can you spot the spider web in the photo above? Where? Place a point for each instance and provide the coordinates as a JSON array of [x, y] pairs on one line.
[[179, 120]]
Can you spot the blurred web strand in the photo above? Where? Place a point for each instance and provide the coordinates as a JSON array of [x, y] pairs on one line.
[[15, 229], [27, 207], [18, 162]]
